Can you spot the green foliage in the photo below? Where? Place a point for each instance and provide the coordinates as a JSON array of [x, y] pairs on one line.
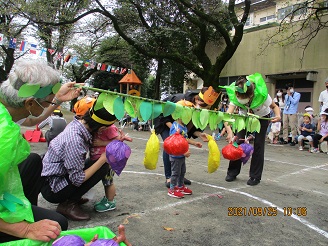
[[106, 81]]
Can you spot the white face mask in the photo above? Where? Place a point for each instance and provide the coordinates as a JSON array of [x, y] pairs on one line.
[[20, 121], [291, 90], [279, 94], [243, 101]]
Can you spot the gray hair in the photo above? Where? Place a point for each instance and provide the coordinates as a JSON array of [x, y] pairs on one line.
[[31, 72]]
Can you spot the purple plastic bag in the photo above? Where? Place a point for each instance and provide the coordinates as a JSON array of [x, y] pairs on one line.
[[248, 150], [104, 242], [117, 154], [70, 240]]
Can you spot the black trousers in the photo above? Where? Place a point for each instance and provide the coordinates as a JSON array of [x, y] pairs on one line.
[[71, 192], [257, 162], [30, 172], [39, 214]]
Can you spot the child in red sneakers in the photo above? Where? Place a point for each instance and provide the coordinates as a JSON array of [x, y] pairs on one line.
[[178, 163]]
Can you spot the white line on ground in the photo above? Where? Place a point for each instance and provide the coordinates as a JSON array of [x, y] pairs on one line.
[[302, 171]]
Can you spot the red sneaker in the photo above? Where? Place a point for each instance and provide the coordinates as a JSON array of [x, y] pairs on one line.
[[185, 190], [175, 193]]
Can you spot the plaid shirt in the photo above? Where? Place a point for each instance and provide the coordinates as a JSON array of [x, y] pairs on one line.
[[66, 155]]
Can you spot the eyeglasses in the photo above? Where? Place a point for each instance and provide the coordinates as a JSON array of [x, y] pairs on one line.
[[39, 104]]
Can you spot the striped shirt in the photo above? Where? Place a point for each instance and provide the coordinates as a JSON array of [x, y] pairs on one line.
[[66, 155]]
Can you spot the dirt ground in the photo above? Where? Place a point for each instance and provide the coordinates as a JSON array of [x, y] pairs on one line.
[[288, 207]]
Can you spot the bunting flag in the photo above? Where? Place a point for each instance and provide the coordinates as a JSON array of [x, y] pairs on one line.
[[22, 46], [67, 58], [73, 60], [123, 70], [117, 70], [58, 56], [98, 66], [33, 49], [113, 69], [51, 51], [12, 43], [79, 62], [87, 63], [103, 67], [1, 39], [109, 68], [43, 51], [93, 64]]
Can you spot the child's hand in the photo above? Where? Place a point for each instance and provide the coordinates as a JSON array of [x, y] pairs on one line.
[[198, 144], [187, 154]]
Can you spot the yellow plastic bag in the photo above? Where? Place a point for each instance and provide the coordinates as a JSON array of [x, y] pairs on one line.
[[152, 151], [213, 155]]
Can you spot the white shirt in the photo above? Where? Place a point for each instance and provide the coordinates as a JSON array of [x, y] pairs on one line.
[[324, 99]]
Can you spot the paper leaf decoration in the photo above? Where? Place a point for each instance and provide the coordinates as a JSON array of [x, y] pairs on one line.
[[100, 101], [195, 118], [156, 110], [28, 90], [145, 110], [203, 120], [129, 108], [109, 103], [119, 108], [186, 115], [169, 108], [177, 112]]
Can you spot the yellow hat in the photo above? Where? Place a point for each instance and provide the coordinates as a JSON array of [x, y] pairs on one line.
[[307, 115]]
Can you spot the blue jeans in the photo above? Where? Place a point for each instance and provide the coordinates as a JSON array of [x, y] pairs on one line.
[[166, 158]]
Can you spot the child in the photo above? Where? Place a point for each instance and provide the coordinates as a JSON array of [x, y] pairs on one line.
[[178, 163], [100, 140], [57, 124], [307, 131], [274, 132], [322, 134]]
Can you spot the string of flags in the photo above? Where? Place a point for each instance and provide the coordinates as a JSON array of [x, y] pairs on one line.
[[68, 58]]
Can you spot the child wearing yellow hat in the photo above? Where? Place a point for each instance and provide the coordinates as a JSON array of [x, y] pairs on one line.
[[307, 131]]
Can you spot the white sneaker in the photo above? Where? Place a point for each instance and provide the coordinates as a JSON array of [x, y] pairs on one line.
[[324, 147], [315, 150], [300, 148]]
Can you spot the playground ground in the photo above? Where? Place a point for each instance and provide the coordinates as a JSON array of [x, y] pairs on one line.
[[288, 207]]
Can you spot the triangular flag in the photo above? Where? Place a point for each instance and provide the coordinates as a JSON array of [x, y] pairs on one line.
[[113, 69], [87, 63], [123, 70], [73, 60], [66, 59], [103, 67], [22, 46], [43, 51], [109, 68], [51, 51], [117, 70], [93, 64], [33, 49], [58, 56], [1, 39], [98, 66], [79, 62], [12, 43]]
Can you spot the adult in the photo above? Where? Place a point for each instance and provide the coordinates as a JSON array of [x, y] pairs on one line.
[[57, 124], [292, 99], [31, 87], [68, 174], [250, 95], [323, 97], [204, 99], [280, 99]]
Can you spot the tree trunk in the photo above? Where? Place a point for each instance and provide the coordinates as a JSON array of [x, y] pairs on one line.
[[158, 78]]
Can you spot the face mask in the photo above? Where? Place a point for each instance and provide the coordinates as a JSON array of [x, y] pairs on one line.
[[20, 121], [327, 86], [243, 101], [291, 90], [225, 99], [279, 94]]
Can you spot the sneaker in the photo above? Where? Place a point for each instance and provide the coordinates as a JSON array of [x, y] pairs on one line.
[[300, 148], [324, 147], [185, 190], [105, 205], [292, 143], [186, 181], [175, 193], [315, 150], [230, 178]]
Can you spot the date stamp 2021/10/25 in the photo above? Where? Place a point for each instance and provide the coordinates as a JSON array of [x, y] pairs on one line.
[[266, 211]]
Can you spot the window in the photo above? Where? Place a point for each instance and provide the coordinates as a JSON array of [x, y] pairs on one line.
[[266, 18], [299, 9]]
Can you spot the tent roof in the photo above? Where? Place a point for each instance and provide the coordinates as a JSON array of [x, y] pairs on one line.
[[130, 78]]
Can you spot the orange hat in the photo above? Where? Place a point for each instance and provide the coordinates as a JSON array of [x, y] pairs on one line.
[[209, 96], [186, 103]]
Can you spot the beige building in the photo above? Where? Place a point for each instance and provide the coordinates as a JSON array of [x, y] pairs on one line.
[[278, 63]]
